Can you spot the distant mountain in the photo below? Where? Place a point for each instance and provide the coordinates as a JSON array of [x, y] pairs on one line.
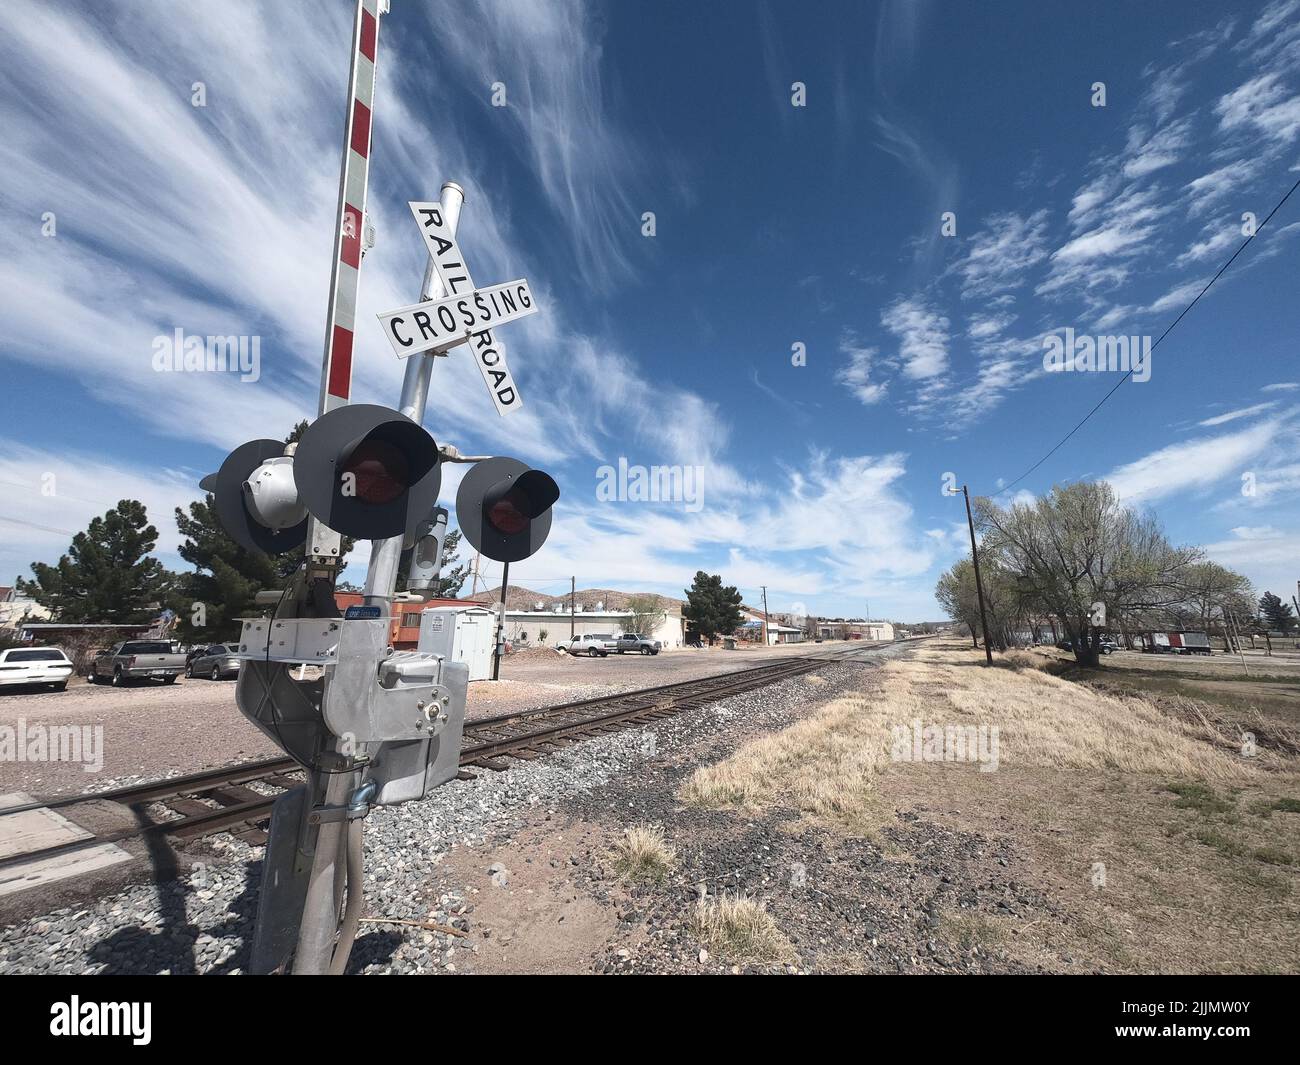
[[521, 598]]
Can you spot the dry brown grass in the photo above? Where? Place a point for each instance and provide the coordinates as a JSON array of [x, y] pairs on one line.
[[825, 765], [739, 929], [643, 855]]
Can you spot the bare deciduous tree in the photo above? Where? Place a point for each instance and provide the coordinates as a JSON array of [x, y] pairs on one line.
[[1080, 545]]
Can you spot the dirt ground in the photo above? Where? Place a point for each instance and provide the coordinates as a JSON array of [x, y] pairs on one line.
[[1037, 867]]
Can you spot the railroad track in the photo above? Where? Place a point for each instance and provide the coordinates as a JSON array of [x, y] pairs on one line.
[[199, 804]]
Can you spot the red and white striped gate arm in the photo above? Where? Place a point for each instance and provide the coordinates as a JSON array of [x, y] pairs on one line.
[[336, 374]]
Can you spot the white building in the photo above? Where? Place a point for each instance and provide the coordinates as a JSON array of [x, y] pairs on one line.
[[526, 627], [16, 609]]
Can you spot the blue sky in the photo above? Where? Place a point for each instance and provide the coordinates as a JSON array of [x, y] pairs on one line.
[[775, 225]]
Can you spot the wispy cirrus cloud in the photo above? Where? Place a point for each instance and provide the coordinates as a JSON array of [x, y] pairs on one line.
[[1194, 464], [855, 375], [1002, 252], [1237, 415]]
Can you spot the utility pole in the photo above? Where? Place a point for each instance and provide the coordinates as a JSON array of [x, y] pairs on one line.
[[573, 604], [979, 585], [765, 635], [1236, 638], [500, 647]]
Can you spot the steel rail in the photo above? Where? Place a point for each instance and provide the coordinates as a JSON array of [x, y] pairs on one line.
[[655, 702]]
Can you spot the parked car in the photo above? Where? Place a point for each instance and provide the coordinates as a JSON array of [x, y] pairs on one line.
[[1107, 645], [48, 667], [636, 643], [593, 644], [137, 660], [216, 661]]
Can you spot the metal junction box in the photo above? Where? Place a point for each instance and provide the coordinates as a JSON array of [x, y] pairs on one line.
[[404, 709], [460, 634]]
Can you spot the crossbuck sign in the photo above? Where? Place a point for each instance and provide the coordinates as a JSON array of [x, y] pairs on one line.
[[464, 315]]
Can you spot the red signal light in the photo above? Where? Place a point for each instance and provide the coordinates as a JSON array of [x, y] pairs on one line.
[[506, 517], [379, 470]]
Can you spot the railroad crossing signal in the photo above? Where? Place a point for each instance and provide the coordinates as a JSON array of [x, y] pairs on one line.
[[363, 471], [256, 500], [367, 471], [465, 313], [377, 726], [504, 508]]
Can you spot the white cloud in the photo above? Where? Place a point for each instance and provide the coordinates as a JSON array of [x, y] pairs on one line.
[[49, 497], [1282, 386], [1263, 103], [923, 337], [1273, 39], [1210, 189], [1161, 149], [1268, 563], [856, 375], [1177, 297], [1191, 465], [1220, 240], [1003, 252], [1234, 415], [986, 326]]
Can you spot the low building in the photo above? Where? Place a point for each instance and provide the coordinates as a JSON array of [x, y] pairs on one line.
[[52, 633], [16, 609], [855, 629], [531, 614], [777, 631], [552, 628]]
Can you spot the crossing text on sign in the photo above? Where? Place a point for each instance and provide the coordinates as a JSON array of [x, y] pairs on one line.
[[444, 323]]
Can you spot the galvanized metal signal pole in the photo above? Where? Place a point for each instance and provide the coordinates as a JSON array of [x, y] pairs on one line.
[[336, 841], [979, 585]]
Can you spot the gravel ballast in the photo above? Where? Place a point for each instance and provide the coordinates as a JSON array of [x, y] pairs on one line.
[[469, 879], [203, 922]]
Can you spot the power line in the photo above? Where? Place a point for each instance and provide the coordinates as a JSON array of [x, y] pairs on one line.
[[33, 525], [1167, 331]]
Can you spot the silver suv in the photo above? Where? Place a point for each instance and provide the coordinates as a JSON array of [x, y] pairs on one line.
[[593, 644]]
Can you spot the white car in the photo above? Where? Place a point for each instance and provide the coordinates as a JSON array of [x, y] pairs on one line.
[[595, 644], [45, 666]]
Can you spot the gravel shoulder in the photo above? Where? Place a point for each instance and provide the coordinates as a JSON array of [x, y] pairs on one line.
[[203, 921]]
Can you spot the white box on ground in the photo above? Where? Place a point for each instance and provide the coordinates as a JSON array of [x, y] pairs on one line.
[[461, 634]]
